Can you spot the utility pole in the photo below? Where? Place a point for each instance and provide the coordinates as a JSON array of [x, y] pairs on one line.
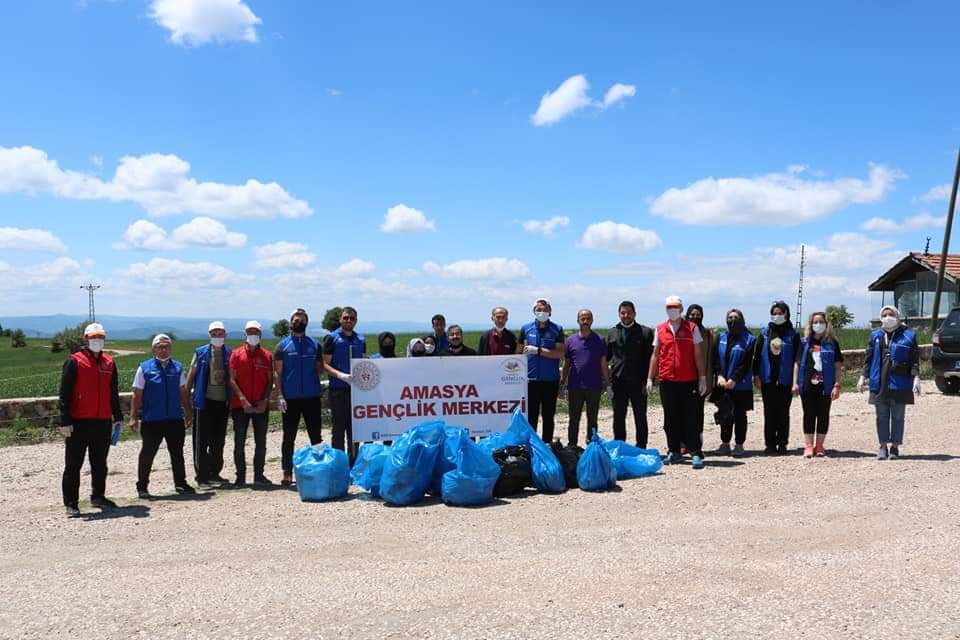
[[935, 316], [803, 260], [90, 287]]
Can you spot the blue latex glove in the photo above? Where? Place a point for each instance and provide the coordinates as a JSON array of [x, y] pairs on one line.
[[115, 436]]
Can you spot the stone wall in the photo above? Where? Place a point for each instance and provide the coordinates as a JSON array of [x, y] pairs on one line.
[[41, 410]]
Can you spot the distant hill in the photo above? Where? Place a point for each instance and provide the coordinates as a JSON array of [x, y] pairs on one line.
[[135, 328]]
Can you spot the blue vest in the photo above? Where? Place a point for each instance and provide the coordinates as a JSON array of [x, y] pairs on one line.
[[785, 375], [161, 390], [343, 349], [900, 343], [203, 374], [739, 348], [540, 367], [300, 377], [828, 358]]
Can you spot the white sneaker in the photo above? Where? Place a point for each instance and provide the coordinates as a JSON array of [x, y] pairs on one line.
[[882, 453]]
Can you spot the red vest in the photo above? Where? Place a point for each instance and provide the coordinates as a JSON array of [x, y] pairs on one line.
[[677, 360], [91, 391], [254, 370]]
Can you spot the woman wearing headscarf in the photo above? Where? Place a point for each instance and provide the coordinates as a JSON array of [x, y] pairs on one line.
[[777, 349], [733, 362], [429, 344], [816, 379], [891, 366], [416, 348], [695, 315], [386, 345]]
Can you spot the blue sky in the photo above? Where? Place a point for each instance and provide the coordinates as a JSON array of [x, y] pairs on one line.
[[220, 158]]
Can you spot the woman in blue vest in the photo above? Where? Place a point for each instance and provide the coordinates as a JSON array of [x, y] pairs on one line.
[[776, 354], [891, 364], [160, 398], [542, 342], [733, 362], [816, 379]]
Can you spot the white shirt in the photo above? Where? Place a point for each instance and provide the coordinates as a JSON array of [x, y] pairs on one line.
[[139, 381], [697, 336]]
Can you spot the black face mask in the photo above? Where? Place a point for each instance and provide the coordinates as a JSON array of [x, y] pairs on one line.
[[298, 326], [388, 350], [735, 326]]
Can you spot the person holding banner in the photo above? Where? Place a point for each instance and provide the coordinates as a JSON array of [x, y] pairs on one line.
[[340, 345], [498, 341], [542, 342], [585, 375], [455, 340], [629, 349]]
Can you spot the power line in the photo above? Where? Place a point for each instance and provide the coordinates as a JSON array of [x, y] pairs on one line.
[[803, 261], [90, 287]]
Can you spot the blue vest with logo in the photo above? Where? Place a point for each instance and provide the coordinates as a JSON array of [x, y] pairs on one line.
[[343, 349], [300, 377], [828, 358], [900, 343], [540, 367], [203, 374], [161, 390], [731, 358], [785, 374]]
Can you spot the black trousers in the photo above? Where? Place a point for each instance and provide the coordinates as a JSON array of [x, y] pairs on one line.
[[151, 435], [776, 414], [241, 422], [576, 399], [542, 401], [92, 436], [310, 409], [680, 405], [209, 435], [816, 411], [629, 393], [342, 420], [739, 420]]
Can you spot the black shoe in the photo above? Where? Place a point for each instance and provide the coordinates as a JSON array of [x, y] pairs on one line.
[[103, 502], [262, 480], [239, 483], [770, 450], [218, 478], [204, 482], [72, 511], [143, 494], [782, 449], [185, 488]]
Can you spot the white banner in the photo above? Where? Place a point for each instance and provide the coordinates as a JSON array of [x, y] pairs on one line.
[[480, 393]]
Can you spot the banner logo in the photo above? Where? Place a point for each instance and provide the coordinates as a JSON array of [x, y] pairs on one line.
[[365, 374]]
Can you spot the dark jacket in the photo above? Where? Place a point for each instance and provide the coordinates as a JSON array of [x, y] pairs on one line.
[[629, 352], [465, 351], [509, 338]]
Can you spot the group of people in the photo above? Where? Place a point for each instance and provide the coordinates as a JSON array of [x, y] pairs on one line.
[[688, 362]]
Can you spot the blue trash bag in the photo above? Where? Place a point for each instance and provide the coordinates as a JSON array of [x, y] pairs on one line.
[[368, 467], [471, 482], [409, 468], [447, 460], [544, 466], [595, 470], [323, 473], [631, 461]]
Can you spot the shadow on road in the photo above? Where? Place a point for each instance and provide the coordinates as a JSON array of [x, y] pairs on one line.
[[933, 457], [184, 497], [130, 511]]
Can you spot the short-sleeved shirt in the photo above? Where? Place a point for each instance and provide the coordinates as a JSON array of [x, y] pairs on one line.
[[541, 367], [585, 355], [697, 336], [139, 381], [342, 348]]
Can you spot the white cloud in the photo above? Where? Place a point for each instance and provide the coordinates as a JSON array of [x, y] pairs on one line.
[[402, 218], [165, 272], [546, 227], [45, 278], [773, 199], [159, 183], [912, 223], [199, 232], [334, 92], [193, 23], [283, 255], [940, 192], [494, 269], [617, 93], [617, 237], [569, 97], [845, 250], [30, 240], [97, 161], [145, 235], [354, 268]]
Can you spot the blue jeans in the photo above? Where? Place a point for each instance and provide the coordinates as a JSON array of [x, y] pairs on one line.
[[890, 417]]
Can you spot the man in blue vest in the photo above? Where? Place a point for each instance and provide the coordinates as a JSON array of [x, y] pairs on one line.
[[339, 347], [161, 400], [542, 342], [209, 385], [297, 367]]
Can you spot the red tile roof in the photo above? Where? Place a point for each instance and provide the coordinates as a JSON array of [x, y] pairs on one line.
[[933, 262]]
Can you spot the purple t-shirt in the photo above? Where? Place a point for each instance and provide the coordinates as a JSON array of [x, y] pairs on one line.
[[585, 355]]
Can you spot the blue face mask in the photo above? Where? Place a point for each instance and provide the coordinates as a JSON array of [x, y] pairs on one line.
[[541, 316]]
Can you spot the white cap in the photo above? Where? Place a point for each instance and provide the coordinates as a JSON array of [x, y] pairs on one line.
[[252, 324], [216, 324], [157, 339], [673, 301], [94, 328], [891, 308]]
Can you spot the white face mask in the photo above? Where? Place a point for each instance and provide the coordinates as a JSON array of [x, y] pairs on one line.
[[819, 327], [541, 316], [95, 344], [673, 314], [778, 319], [626, 326], [253, 340], [889, 322], [217, 342], [429, 347]]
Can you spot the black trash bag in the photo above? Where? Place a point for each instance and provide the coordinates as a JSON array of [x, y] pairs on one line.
[[568, 456], [515, 472]]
